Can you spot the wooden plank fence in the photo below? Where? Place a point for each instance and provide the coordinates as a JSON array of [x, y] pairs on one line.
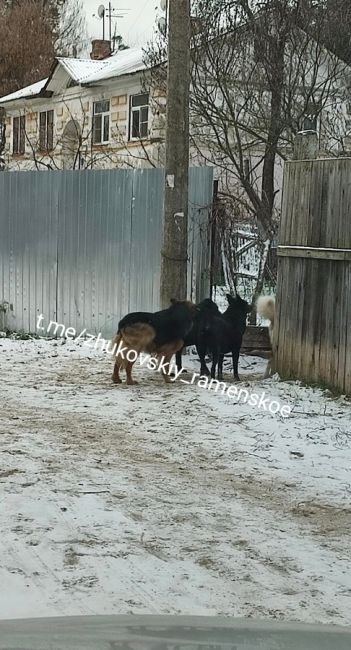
[[312, 337]]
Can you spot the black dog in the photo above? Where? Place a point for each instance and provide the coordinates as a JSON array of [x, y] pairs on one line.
[[197, 335], [161, 334], [225, 334], [172, 323]]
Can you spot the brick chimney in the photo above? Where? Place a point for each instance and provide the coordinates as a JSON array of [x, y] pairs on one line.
[[100, 50]]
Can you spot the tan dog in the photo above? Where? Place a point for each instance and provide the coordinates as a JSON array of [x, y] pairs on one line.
[[140, 338], [160, 334], [266, 309]]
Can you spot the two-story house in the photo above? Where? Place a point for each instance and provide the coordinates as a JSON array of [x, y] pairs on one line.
[[88, 113], [105, 112]]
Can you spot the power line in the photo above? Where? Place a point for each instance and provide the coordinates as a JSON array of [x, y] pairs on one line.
[[139, 14]]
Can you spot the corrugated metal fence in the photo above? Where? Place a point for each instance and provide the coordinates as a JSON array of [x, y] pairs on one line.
[[83, 247]]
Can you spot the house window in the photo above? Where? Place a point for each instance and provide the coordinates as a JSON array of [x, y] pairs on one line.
[[139, 116], [310, 118], [101, 122], [46, 131], [247, 168], [310, 123], [2, 135], [19, 135]]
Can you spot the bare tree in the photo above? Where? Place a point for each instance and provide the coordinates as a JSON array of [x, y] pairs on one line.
[[257, 78], [32, 32], [338, 33], [27, 44], [70, 27], [261, 73]]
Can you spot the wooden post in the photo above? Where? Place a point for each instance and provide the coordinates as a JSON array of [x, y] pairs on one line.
[[175, 232], [306, 145]]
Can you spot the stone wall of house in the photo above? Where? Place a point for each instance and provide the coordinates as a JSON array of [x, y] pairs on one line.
[[119, 116], [119, 152]]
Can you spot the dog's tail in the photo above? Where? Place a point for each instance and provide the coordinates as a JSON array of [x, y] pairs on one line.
[[266, 308]]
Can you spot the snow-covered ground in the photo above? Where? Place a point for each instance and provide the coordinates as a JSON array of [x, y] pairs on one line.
[[168, 498]]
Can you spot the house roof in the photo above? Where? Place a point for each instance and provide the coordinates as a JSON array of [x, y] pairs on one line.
[[86, 71], [28, 91], [80, 69]]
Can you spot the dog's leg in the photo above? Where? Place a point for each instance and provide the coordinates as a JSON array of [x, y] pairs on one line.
[[215, 359], [268, 371], [270, 368], [220, 367], [115, 377], [179, 363], [165, 371], [165, 354], [129, 367], [235, 356], [179, 359], [201, 350]]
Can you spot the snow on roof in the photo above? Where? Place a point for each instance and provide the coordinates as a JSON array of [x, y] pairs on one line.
[[86, 71], [28, 91], [80, 69], [124, 62]]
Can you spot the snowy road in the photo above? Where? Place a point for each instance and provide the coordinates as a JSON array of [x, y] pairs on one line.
[[168, 499]]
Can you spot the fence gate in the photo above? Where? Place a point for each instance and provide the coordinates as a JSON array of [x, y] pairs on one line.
[[83, 247], [313, 329]]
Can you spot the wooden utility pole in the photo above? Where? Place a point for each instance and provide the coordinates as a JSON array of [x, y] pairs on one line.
[[175, 229]]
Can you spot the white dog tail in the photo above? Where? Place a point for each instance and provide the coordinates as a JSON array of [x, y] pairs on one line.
[[266, 308]]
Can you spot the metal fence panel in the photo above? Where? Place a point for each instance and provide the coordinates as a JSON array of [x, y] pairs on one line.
[[28, 247], [83, 247], [146, 240], [94, 248]]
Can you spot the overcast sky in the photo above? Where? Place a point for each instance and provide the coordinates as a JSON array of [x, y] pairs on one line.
[[137, 25]]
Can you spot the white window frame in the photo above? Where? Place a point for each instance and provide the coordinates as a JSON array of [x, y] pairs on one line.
[[2, 131], [137, 110], [312, 118], [104, 114], [310, 122], [47, 130], [21, 135]]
